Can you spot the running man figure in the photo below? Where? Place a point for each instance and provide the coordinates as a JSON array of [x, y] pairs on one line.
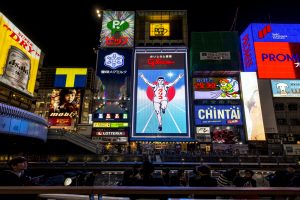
[[160, 100]]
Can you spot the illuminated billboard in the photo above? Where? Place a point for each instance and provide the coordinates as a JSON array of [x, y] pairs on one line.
[[159, 29], [286, 88], [252, 106], [70, 77], [64, 107], [218, 115], [117, 29], [114, 62], [272, 50], [160, 101], [19, 58], [216, 88]]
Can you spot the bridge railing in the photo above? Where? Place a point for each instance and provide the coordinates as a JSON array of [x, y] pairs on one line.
[[144, 192]]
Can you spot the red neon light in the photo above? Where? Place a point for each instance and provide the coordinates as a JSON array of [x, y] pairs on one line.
[[159, 61], [113, 41]]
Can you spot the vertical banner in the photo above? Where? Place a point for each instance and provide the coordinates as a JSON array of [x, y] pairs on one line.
[[160, 107], [252, 106], [117, 29]]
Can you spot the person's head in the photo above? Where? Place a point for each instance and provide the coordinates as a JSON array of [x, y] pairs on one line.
[[203, 170], [291, 169], [166, 171], [160, 80], [248, 173], [18, 164], [69, 95]]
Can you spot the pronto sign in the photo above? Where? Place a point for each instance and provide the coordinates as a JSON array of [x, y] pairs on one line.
[[273, 50]]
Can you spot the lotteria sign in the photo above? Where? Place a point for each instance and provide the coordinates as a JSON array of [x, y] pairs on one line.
[[218, 115], [273, 50]]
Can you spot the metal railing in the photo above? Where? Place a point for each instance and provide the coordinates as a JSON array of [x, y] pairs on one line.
[[144, 192]]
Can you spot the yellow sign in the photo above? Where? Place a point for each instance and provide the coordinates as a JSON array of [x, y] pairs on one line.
[[159, 29], [19, 58], [72, 77], [110, 124]]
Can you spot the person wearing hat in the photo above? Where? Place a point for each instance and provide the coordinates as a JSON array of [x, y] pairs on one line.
[[14, 176]]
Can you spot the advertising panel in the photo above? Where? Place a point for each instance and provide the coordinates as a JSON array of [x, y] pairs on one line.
[[272, 50], [114, 62], [159, 29], [216, 88], [19, 58], [4, 124], [267, 107], [114, 69], [286, 88], [160, 108], [117, 29], [226, 135], [215, 51], [70, 77], [218, 115], [64, 107], [252, 106]]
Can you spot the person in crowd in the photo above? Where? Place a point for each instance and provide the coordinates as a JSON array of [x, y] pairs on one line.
[[226, 179], [166, 176], [147, 176], [248, 181], [203, 179], [290, 173], [15, 175], [260, 179], [128, 178], [179, 179], [279, 179]]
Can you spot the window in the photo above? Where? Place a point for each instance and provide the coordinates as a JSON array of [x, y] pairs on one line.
[[293, 106], [279, 106]]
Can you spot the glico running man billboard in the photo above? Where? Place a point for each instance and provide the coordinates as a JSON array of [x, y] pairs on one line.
[[273, 50], [160, 108], [117, 29], [19, 58], [64, 107]]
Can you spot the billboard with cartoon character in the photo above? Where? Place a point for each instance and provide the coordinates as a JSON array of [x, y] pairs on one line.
[[286, 88], [216, 88]]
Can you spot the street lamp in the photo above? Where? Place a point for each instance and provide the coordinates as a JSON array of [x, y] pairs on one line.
[[98, 13]]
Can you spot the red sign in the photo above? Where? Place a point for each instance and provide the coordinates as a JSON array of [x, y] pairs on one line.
[[60, 121], [159, 61], [277, 59], [114, 41]]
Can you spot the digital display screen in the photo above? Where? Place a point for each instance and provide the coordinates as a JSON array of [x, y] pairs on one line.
[[160, 95], [110, 125], [216, 88], [272, 50], [252, 106]]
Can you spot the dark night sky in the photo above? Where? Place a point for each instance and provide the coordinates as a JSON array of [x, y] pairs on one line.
[[67, 31]]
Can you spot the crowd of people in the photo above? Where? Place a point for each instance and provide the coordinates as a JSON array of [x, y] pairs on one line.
[[146, 175]]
